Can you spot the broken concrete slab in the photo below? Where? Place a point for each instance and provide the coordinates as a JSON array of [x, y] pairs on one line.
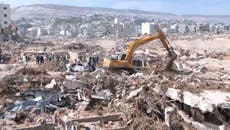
[[74, 84], [134, 93], [206, 101], [200, 126], [103, 94], [51, 84]]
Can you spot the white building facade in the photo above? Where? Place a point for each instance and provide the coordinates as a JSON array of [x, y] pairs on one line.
[[148, 28], [145, 28]]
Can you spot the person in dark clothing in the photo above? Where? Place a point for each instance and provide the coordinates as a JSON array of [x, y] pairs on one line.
[[80, 57], [38, 59], [41, 59], [91, 64], [96, 59]]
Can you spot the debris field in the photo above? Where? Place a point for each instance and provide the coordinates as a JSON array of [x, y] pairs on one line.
[[64, 94]]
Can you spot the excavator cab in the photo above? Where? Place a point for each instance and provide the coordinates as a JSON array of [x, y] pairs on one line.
[[136, 61], [121, 56]]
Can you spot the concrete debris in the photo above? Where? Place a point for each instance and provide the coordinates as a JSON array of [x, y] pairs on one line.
[[51, 84], [37, 99], [70, 89], [134, 93], [206, 101]]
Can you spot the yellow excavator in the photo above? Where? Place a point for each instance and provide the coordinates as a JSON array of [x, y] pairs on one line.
[[125, 61]]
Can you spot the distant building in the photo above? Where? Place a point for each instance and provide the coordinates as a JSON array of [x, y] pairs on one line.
[[4, 21], [174, 28], [204, 27], [191, 28], [227, 28], [212, 27], [4, 15], [182, 28], [137, 29], [219, 29], [147, 28], [126, 30], [116, 21]]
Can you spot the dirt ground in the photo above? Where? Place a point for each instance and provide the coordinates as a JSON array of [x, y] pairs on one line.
[[219, 44]]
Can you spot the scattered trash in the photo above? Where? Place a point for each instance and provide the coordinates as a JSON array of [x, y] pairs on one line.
[[39, 99]]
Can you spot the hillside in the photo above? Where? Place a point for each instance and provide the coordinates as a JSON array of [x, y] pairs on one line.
[[54, 11]]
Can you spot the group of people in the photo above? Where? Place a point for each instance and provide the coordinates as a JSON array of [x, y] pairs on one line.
[[63, 61], [40, 59]]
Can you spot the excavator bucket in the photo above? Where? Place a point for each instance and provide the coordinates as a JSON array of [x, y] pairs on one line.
[[171, 52]]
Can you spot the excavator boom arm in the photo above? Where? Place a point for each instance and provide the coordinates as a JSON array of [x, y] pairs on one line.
[[135, 44], [159, 35]]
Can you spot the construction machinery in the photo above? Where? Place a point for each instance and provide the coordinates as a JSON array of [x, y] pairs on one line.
[[125, 61]]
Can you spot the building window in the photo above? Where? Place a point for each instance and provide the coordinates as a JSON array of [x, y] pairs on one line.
[[5, 8], [5, 15], [5, 22]]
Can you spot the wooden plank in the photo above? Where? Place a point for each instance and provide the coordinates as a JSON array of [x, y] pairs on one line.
[[111, 117]]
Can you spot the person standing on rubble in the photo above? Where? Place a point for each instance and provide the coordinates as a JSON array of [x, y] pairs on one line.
[[91, 64], [42, 60], [24, 58], [38, 59], [61, 64]]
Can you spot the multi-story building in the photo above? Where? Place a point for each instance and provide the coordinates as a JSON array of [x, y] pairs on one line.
[[124, 30], [227, 28], [204, 26], [4, 21], [147, 28], [4, 16]]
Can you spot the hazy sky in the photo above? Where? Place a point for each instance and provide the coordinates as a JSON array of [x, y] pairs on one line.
[[210, 7]]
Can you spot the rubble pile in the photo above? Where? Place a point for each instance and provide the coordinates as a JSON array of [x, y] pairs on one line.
[[49, 66], [31, 71], [43, 97], [75, 46]]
